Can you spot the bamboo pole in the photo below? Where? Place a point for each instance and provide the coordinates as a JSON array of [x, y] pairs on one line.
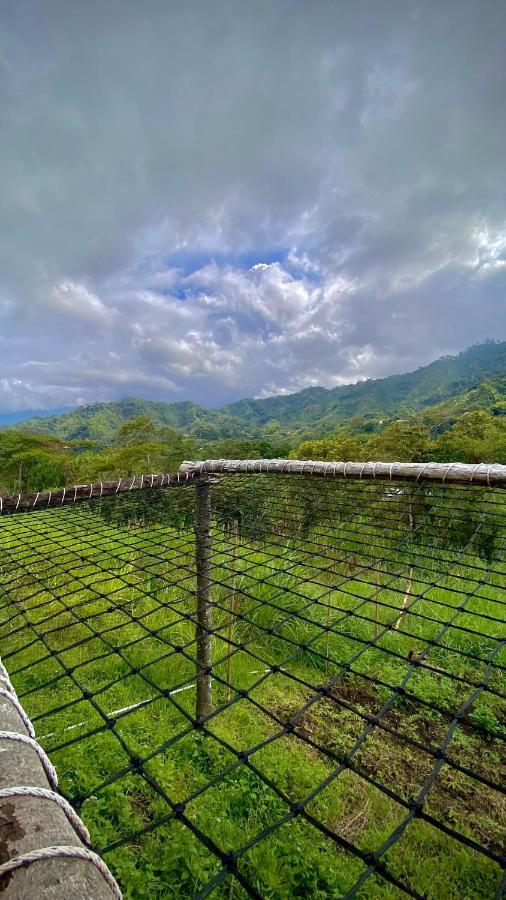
[[405, 599], [493, 475], [41, 853], [377, 593], [77, 493], [203, 554]]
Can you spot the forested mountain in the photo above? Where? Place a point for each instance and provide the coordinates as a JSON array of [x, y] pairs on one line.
[[452, 410], [446, 387], [489, 395]]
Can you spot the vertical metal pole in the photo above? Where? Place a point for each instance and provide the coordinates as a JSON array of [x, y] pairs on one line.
[[203, 551]]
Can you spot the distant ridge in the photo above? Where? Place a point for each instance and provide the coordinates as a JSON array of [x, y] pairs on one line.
[[317, 410], [11, 418]]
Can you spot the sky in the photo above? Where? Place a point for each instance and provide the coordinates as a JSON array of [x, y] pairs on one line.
[[214, 200]]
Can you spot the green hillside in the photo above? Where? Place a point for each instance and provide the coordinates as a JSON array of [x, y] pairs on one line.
[[441, 389], [489, 395], [396, 394]]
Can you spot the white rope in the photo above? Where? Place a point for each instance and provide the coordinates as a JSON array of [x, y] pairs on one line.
[[447, 470], [11, 695], [45, 794], [6, 680], [47, 765], [63, 852], [36, 498], [474, 473], [4, 676]]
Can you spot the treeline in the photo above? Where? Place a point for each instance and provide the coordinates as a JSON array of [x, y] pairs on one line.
[[31, 462], [35, 462], [478, 436], [475, 379]]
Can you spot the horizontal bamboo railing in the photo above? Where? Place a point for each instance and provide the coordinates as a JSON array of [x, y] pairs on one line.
[[75, 493], [44, 842], [492, 475]]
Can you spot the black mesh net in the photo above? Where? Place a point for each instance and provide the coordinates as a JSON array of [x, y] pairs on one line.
[[353, 745]]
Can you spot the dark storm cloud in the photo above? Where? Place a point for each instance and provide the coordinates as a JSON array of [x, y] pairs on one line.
[[359, 145]]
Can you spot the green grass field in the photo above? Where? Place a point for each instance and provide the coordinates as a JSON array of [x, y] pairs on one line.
[[97, 626]]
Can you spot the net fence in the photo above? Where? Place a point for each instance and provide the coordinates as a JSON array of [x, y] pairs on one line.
[[299, 697]]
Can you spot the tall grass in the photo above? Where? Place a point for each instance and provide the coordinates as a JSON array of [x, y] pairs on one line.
[[92, 611]]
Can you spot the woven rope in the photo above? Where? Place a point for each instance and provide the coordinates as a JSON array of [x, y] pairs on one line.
[[45, 794], [11, 696], [62, 852]]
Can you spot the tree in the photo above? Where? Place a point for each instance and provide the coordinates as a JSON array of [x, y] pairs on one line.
[[476, 437], [136, 430], [342, 447], [402, 441], [31, 462]]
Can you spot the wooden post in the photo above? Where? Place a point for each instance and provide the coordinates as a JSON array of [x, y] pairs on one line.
[[203, 553]]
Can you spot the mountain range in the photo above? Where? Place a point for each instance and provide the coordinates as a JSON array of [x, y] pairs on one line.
[[449, 386]]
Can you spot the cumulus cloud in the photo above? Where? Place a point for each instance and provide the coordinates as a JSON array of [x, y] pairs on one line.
[[214, 202]]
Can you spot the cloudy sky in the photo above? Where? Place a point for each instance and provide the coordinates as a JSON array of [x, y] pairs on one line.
[[211, 200]]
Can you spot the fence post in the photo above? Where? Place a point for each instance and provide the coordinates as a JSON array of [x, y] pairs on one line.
[[203, 553]]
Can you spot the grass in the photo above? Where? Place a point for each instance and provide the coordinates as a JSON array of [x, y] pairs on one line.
[[96, 625]]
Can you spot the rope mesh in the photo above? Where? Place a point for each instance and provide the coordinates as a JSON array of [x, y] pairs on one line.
[[354, 742]]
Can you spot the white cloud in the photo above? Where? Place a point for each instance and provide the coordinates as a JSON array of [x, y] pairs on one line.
[[218, 203], [75, 300]]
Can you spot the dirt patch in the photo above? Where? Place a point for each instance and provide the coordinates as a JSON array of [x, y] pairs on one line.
[[455, 799]]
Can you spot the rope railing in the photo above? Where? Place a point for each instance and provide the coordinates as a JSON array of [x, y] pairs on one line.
[[265, 686]]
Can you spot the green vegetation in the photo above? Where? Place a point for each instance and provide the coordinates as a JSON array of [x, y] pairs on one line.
[[37, 462], [105, 588], [137, 436], [315, 412]]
